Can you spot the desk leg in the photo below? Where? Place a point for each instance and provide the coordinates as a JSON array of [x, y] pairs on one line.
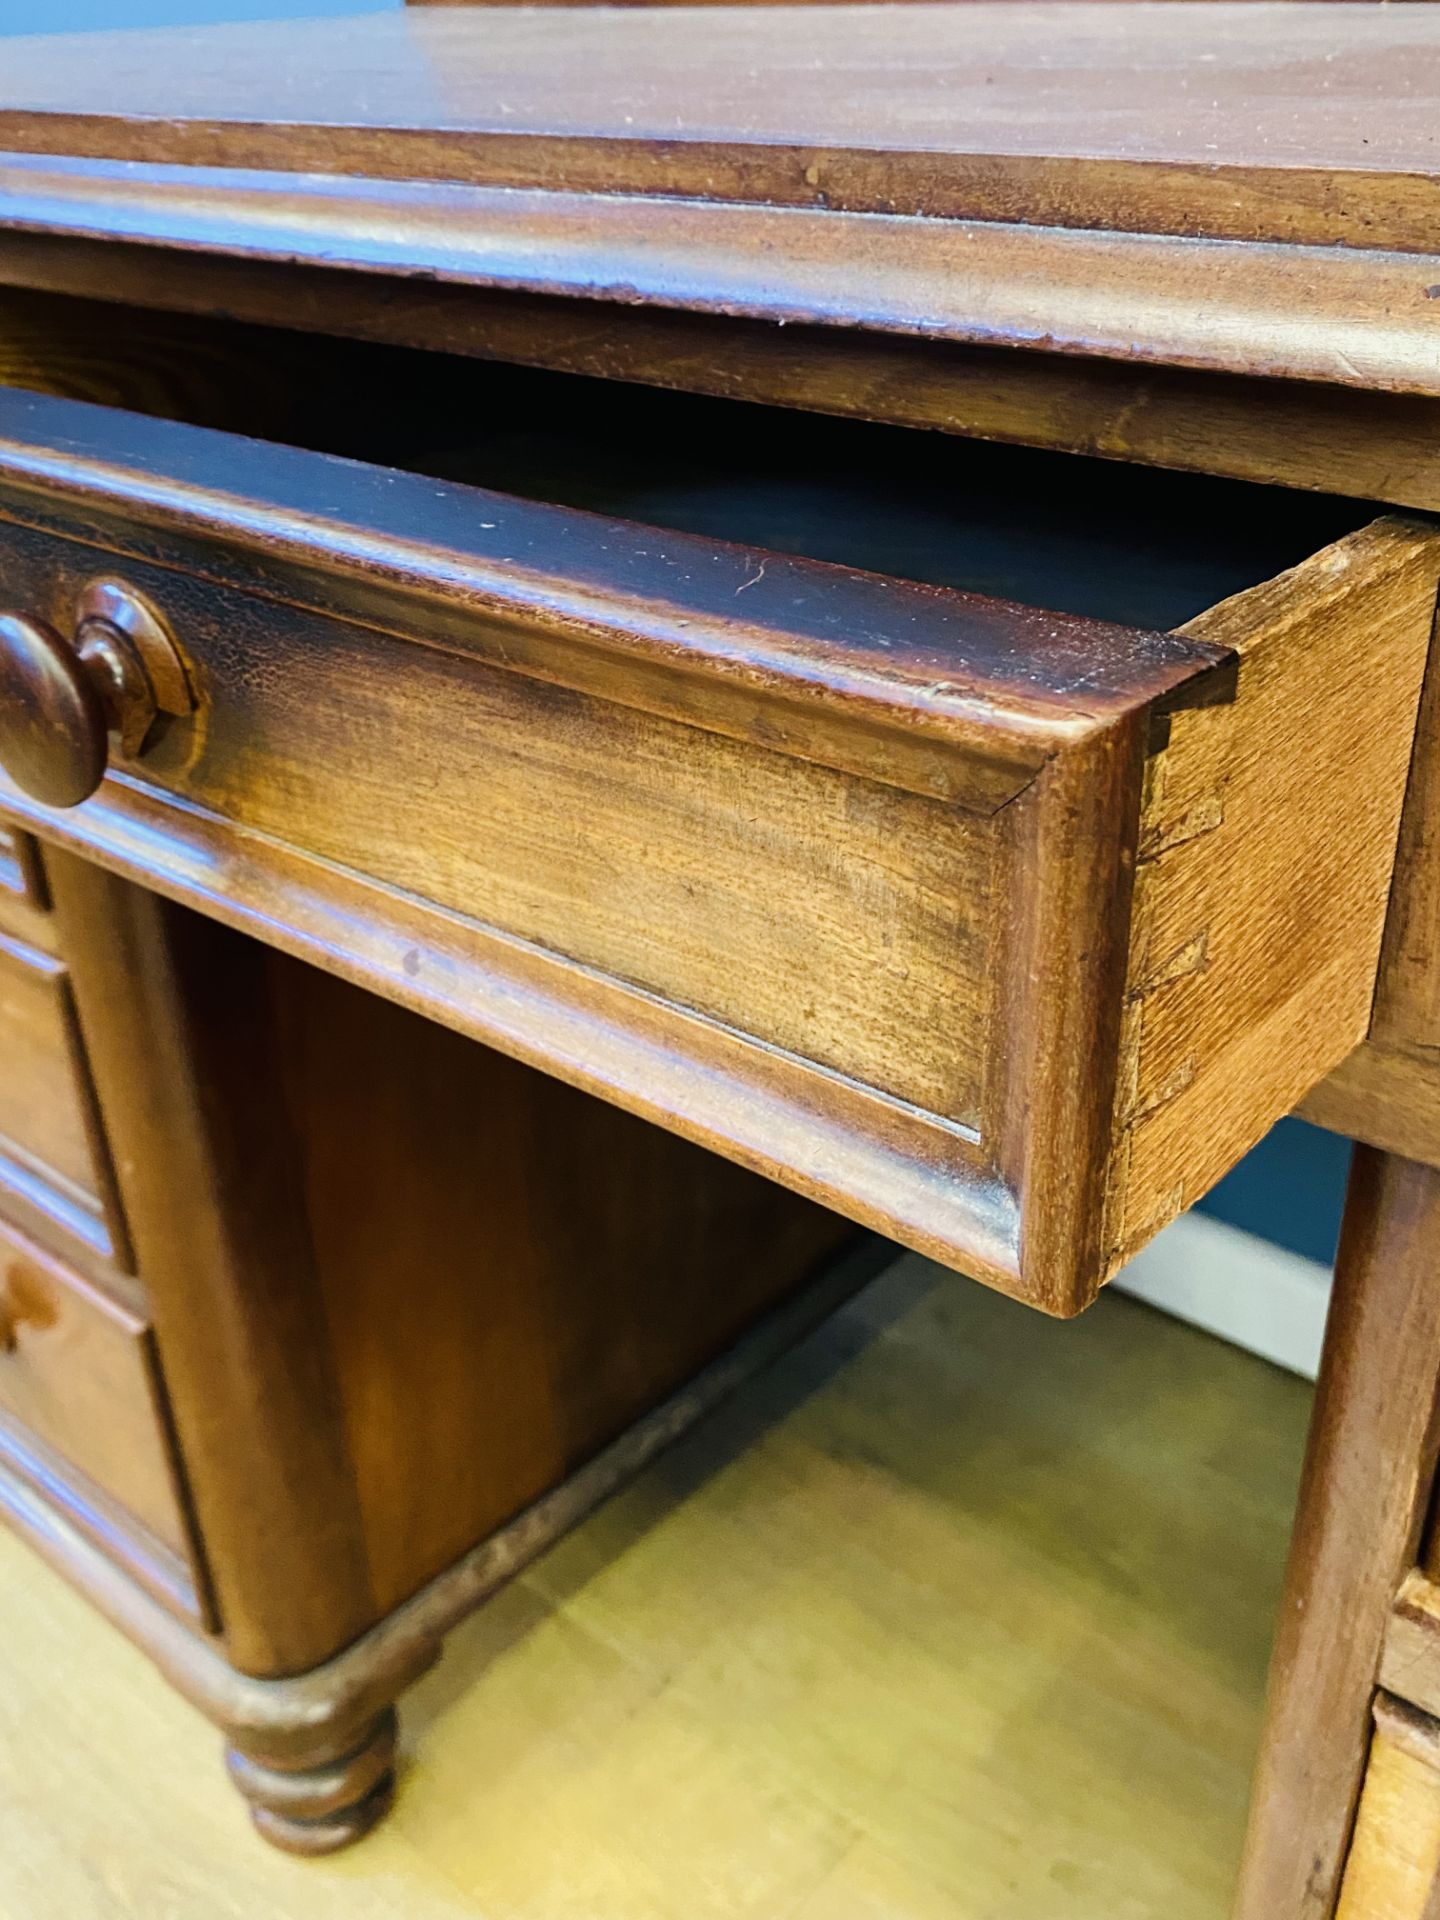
[[1363, 1498], [327, 1803]]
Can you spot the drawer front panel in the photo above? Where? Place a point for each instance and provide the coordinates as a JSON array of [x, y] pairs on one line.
[[43, 1104], [827, 915], [18, 871], [77, 1372], [1001, 931], [24, 909]]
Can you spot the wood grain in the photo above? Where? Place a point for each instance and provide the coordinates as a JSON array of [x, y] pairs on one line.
[[939, 194], [530, 1272], [1363, 1500], [1388, 1096], [184, 1062], [1320, 312], [312, 1752], [40, 1112], [1162, 205], [1388, 1091], [24, 904], [1376, 446], [828, 917], [1410, 1666], [667, 1067], [1255, 944], [881, 111], [77, 1370], [944, 693], [1393, 1872], [53, 1156], [792, 807], [640, 753], [1407, 997], [542, 1272]]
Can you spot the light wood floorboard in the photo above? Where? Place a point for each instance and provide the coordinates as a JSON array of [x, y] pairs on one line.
[[959, 1614]]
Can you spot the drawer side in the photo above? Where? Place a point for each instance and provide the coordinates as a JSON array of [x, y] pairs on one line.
[[1267, 845]]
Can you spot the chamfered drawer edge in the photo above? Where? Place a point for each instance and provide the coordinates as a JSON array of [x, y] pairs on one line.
[[1264, 866]]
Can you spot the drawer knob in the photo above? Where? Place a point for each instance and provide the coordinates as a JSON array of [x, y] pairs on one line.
[[61, 700], [24, 1302]]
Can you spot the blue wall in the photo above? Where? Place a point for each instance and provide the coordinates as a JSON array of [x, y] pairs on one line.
[[68, 16], [1290, 1189]]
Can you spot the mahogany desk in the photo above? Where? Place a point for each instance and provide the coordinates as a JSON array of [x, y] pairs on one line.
[[424, 623]]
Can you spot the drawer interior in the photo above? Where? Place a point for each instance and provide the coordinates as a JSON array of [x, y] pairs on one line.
[[1103, 539], [1095, 538]]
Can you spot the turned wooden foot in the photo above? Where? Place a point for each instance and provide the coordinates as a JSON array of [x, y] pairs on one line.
[[324, 1802]]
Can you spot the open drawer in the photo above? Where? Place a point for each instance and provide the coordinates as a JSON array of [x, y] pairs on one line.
[[1002, 930]]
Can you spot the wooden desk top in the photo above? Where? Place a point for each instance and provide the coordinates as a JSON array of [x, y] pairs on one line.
[[1344, 89], [1242, 187]]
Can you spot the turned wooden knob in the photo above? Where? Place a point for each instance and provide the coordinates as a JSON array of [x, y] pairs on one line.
[[61, 700], [53, 726], [25, 1301]]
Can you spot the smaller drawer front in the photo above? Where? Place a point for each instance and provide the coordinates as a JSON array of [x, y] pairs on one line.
[[77, 1372], [17, 873], [12, 874], [24, 908], [45, 1122]]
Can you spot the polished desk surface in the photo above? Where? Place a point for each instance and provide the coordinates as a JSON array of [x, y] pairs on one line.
[[1241, 187], [1347, 89]]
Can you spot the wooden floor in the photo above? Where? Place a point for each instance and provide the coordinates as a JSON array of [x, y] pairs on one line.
[[960, 1615]]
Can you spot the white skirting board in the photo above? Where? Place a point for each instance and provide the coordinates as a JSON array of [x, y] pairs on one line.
[[1234, 1284]]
